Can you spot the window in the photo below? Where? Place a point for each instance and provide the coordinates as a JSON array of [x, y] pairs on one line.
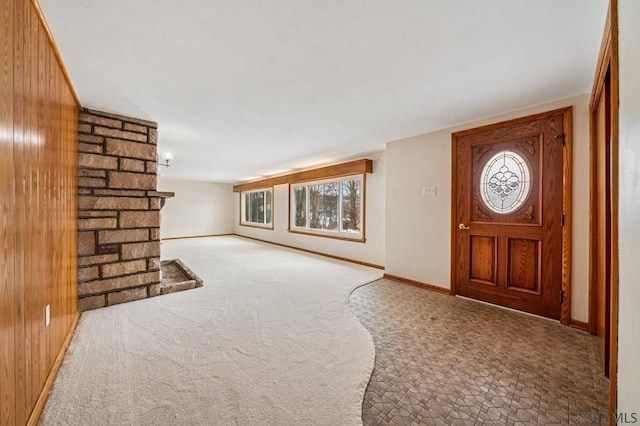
[[256, 208], [329, 208], [505, 182]]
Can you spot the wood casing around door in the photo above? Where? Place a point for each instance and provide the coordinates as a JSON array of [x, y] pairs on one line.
[[602, 223], [517, 257], [38, 210], [603, 218]]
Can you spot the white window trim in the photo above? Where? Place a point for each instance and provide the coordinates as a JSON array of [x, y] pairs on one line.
[[243, 222], [338, 234]]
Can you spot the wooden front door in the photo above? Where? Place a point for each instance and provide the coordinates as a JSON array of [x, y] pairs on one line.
[[508, 213]]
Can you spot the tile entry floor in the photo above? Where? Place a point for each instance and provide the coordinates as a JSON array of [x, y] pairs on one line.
[[446, 360]]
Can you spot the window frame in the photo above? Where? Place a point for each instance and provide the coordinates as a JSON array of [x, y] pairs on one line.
[[243, 208], [340, 235]]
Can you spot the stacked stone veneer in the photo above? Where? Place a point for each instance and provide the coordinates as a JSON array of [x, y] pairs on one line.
[[119, 211]]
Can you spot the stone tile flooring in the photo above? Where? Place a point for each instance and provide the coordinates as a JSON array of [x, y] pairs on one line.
[[445, 360]]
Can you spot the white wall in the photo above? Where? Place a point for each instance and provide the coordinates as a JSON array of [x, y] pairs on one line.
[[198, 208], [418, 228], [629, 208], [372, 251]]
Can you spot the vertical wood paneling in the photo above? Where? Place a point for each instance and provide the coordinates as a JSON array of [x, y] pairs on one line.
[[38, 175], [7, 201], [32, 308], [42, 197], [28, 232], [20, 224]]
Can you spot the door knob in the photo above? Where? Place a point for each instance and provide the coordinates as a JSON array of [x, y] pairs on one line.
[[463, 226]]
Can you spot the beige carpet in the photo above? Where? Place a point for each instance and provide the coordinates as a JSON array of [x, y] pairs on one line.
[[269, 339]]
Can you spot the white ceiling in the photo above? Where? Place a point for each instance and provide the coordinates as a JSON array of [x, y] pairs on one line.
[[247, 88]]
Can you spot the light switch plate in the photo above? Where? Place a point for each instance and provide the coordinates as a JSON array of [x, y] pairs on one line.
[[47, 315], [429, 191]]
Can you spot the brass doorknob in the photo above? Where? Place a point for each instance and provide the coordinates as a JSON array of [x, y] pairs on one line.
[[463, 226]]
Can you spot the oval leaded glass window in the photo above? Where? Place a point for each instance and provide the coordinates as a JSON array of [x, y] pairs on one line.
[[505, 182]]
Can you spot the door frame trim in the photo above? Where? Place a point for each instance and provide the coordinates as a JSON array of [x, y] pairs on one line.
[[607, 62], [567, 112]]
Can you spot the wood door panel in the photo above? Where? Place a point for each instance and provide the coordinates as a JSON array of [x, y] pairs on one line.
[[483, 262], [508, 195], [523, 265]]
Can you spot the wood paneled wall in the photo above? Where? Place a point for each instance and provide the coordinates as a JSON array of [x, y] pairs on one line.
[[38, 208]]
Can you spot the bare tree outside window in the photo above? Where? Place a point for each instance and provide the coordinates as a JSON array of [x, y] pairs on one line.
[[247, 209], [351, 205], [257, 207], [267, 204], [323, 206], [300, 197], [329, 206], [315, 205]]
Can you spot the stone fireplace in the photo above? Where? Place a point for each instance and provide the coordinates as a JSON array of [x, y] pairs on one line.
[[118, 209]]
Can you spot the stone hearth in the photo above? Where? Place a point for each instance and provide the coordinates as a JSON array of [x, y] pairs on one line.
[[176, 276]]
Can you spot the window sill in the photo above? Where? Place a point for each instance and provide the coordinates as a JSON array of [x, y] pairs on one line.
[[359, 239], [255, 225]]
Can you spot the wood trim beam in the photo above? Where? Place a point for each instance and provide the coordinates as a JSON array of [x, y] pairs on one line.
[[56, 51], [337, 170], [48, 384], [420, 284]]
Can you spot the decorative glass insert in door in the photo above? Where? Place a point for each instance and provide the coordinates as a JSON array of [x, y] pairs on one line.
[[505, 182]]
